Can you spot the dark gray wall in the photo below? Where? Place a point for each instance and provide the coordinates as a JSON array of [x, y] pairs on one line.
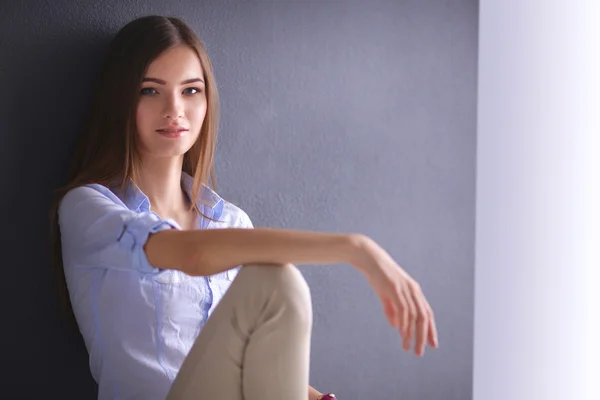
[[337, 115]]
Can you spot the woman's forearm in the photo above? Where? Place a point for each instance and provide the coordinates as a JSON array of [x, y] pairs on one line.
[[207, 252]]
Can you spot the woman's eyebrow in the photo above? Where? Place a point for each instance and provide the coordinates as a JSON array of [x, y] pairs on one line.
[[161, 82]]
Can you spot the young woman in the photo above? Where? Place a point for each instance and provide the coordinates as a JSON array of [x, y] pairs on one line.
[[169, 306]]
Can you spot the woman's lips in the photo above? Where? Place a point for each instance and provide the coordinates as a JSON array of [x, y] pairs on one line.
[[172, 132]]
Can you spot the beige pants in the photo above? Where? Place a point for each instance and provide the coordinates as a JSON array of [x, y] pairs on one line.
[[256, 344]]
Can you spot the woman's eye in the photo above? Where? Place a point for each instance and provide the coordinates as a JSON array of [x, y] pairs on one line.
[[191, 90], [147, 91]]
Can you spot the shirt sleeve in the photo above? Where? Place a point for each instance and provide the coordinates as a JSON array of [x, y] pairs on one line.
[[99, 231]]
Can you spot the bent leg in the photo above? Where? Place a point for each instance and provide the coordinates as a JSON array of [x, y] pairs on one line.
[[256, 344]]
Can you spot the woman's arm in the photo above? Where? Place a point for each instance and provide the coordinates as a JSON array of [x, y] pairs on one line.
[[207, 252], [210, 251]]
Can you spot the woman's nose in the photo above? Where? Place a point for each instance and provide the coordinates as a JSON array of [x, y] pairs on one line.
[[173, 108]]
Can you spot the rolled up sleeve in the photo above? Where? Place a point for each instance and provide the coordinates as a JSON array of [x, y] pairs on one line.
[[99, 231]]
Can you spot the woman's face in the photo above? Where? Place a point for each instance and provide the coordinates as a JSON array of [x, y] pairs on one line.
[[172, 104]]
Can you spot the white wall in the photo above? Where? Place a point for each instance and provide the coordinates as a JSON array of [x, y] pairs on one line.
[[538, 195]]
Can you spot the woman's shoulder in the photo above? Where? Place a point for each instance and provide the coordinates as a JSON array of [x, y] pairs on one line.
[[92, 190], [238, 218], [89, 193], [230, 216]]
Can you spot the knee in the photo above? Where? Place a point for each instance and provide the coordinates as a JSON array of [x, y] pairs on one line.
[[292, 291], [291, 283], [286, 286]]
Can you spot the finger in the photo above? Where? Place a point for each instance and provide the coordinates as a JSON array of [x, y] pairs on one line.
[[412, 315], [389, 311], [433, 335], [422, 320], [397, 315], [403, 315]]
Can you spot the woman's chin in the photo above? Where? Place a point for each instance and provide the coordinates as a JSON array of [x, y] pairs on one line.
[[167, 148], [174, 152]]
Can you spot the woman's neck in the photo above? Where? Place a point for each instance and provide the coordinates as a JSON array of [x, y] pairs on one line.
[[160, 180]]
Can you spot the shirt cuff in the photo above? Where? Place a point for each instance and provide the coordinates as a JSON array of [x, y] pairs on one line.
[[138, 231]]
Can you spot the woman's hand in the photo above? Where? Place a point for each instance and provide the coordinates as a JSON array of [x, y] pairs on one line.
[[403, 301]]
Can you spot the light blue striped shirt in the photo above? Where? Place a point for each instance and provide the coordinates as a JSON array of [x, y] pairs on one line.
[[138, 322]]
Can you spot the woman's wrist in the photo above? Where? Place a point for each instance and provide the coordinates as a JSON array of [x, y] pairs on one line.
[[360, 251]]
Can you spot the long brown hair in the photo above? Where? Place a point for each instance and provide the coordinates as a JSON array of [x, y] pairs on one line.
[[107, 152]]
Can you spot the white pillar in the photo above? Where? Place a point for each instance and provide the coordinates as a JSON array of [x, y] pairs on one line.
[[537, 279]]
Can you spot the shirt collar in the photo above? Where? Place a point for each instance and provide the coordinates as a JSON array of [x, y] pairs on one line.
[[136, 200]]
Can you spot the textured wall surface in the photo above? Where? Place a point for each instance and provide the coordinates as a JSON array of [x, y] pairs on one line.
[[341, 116]]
